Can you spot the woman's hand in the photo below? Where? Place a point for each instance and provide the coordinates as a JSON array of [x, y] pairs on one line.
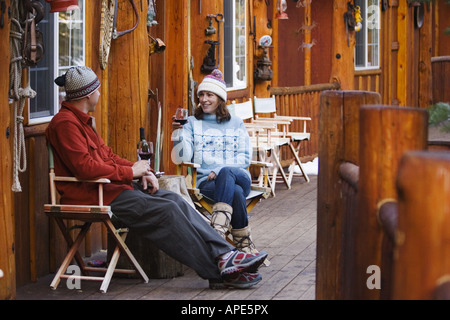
[[176, 125], [211, 176]]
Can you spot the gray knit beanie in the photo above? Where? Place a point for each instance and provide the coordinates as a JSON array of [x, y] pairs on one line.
[[78, 82]]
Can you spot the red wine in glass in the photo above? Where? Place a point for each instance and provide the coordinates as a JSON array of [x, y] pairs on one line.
[[181, 121], [181, 115], [145, 155], [145, 151]]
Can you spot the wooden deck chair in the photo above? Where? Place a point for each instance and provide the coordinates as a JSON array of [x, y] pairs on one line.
[[87, 214], [268, 106], [265, 138]]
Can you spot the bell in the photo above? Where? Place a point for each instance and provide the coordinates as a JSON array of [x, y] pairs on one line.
[[63, 5], [156, 45]]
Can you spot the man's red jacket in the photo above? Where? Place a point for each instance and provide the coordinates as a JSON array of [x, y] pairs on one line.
[[79, 152]]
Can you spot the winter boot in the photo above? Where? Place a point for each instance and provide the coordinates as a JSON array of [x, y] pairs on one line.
[[242, 239], [221, 218]]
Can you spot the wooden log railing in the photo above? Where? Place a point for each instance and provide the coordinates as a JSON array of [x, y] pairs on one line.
[[338, 143], [302, 101], [373, 139], [422, 263]]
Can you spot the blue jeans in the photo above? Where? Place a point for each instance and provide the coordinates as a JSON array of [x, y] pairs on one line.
[[231, 186]]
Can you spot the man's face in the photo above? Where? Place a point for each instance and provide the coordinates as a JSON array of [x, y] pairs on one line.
[[93, 100]]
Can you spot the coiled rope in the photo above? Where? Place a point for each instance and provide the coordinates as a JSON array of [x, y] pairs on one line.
[[18, 95]]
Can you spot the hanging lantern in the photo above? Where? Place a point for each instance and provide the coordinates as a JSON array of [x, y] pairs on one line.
[[281, 7], [63, 5]]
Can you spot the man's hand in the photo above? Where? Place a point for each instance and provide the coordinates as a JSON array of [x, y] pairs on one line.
[[150, 183], [140, 168]]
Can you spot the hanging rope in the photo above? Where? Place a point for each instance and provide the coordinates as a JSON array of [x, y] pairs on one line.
[[18, 94]]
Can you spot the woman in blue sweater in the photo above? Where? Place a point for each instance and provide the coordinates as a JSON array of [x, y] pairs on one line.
[[221, 145]]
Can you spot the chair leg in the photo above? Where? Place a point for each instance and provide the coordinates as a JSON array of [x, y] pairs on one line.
[[274, 175], [112, 266], [124, 248], [296, 160], [65, 232], [73, 251]]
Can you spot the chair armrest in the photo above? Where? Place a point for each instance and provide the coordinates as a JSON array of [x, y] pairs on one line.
[[260, 164], [100, 182], [194, 167], [73, 179], [268, 121], [293, 118], [190, 164]]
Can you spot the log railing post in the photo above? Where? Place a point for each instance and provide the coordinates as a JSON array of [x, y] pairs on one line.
[[338, 142], [386, 134], [422, 259]]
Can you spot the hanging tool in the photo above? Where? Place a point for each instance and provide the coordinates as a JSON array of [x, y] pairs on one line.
[[3, 8], [209, 62], [210, 29], [116, 33], [349, 18], [219, 20]]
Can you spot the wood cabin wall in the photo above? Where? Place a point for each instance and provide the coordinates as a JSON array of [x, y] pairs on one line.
[[292, 46], [404, 77], [441, 18], [7, 261], [122, 110]]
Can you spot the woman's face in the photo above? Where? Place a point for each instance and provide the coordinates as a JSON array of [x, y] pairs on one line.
[[208, 101]]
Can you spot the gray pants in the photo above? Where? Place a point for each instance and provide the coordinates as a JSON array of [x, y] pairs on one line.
[[167, 220]]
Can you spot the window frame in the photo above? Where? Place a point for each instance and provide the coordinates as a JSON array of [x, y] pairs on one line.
[[374, 21], [236, 84], [53, 66]]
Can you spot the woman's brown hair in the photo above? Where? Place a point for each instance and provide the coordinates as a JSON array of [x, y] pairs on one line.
[[222, 113]]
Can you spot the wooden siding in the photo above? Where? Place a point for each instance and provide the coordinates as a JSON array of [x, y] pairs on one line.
[[7, 263]]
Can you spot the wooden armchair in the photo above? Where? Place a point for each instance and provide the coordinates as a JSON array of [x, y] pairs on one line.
[[268, 106], [87, 214]]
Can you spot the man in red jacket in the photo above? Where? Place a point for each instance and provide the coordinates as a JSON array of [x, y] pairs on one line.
[[159, 215]]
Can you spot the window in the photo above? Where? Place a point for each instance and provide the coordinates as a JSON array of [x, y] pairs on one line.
[[64, 48], [367, 51], [235, 44]]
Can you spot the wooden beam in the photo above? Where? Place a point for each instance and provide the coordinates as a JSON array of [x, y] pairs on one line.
[[425, 53], [404, 52], [307, 40], [7, 259], [343, 54], [128, 82], [176, 70]]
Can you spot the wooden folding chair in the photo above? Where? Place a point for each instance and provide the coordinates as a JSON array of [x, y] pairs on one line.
[[265, 138], [268, 106], [87, 214]]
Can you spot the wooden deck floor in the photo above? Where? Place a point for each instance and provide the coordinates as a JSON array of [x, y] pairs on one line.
[[285, 226]]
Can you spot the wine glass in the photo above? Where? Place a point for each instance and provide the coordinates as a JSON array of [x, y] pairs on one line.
[[146, 152], [181, 116]]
